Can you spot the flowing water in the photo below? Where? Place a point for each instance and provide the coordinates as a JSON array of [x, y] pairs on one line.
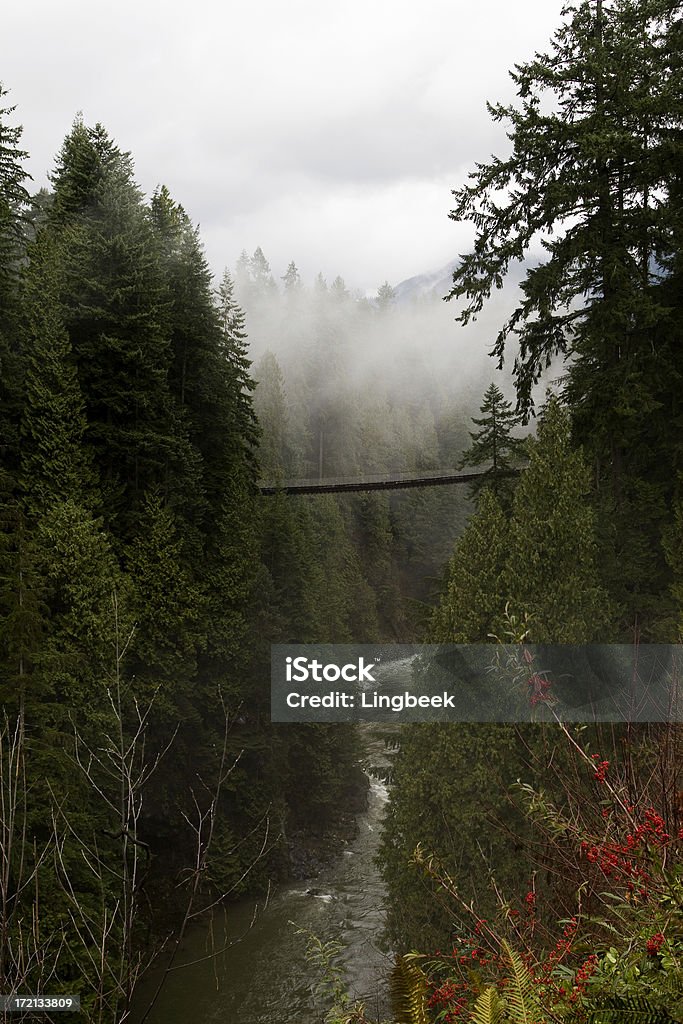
[[264, 977]]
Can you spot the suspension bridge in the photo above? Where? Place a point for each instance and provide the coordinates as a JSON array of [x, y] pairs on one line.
[[395, 482]]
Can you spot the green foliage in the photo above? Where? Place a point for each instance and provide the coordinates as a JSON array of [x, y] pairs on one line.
[[471, 607], [596, 137], [275, 450], [542, 563], [385, 296], [323, 956], [130, 379], [551, 573], [115, 313], [494, 444], [489, 1008], [449, 792], [408, 992], [600, 154], [14, 200], [616, 1010], [521, 1003], [55, 464], [167, 608], [673, 544]]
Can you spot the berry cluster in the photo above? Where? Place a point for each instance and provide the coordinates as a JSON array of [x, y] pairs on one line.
[[618, 859], [539, 689], [600, 767]]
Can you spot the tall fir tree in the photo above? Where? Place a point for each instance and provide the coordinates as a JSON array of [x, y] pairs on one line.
[[494, 444], [55, 465], [471, 608], [275, 456], [237, 365], [552, 571], [589, 172], [14, 202], [116, 314]]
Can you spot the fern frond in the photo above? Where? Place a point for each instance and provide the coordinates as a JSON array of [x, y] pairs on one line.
[[522, 1005], [629, 1010], [488, 1008], [408, 987]]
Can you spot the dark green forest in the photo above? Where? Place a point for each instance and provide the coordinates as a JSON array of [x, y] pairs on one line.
[[143, 576]]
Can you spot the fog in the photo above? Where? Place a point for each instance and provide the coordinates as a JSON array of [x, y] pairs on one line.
[[391, 382]]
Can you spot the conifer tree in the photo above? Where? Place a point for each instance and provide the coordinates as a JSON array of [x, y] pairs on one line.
[[245, 430], [552, 570], [14, 201], [494, 444], [286, 552], [262, 280], [673, 543], [56, 465], [167, 607], [292, 279], [385, 296], [374, 539], [116, 317], [22, 609], [339, 289], [593, 174], [344, 604], [269, 400], [473, 604], [596, 173]]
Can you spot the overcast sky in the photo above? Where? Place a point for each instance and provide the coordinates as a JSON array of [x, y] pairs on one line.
[[326, 132]]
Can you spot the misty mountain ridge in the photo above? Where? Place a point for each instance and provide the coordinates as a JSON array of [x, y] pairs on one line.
[[436, 284], [433, 285]]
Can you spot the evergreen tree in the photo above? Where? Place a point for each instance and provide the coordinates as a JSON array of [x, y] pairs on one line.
[[81, 576], [450, 794], [374, 540], [292, 279], [242, 277], [286, 552], [588, 172], [116, 315], [339, 289], [22, 610], [552, 571], [56, 466], [471, 608], [244, 427], [493, 444], [83, 161], [345, 605], [262, 280], [168, 609], [673, 544], [595, 174], [385, 296], [14, 201], [271, 410]]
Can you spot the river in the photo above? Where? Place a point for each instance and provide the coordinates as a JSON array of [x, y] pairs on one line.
[[264, 977]]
